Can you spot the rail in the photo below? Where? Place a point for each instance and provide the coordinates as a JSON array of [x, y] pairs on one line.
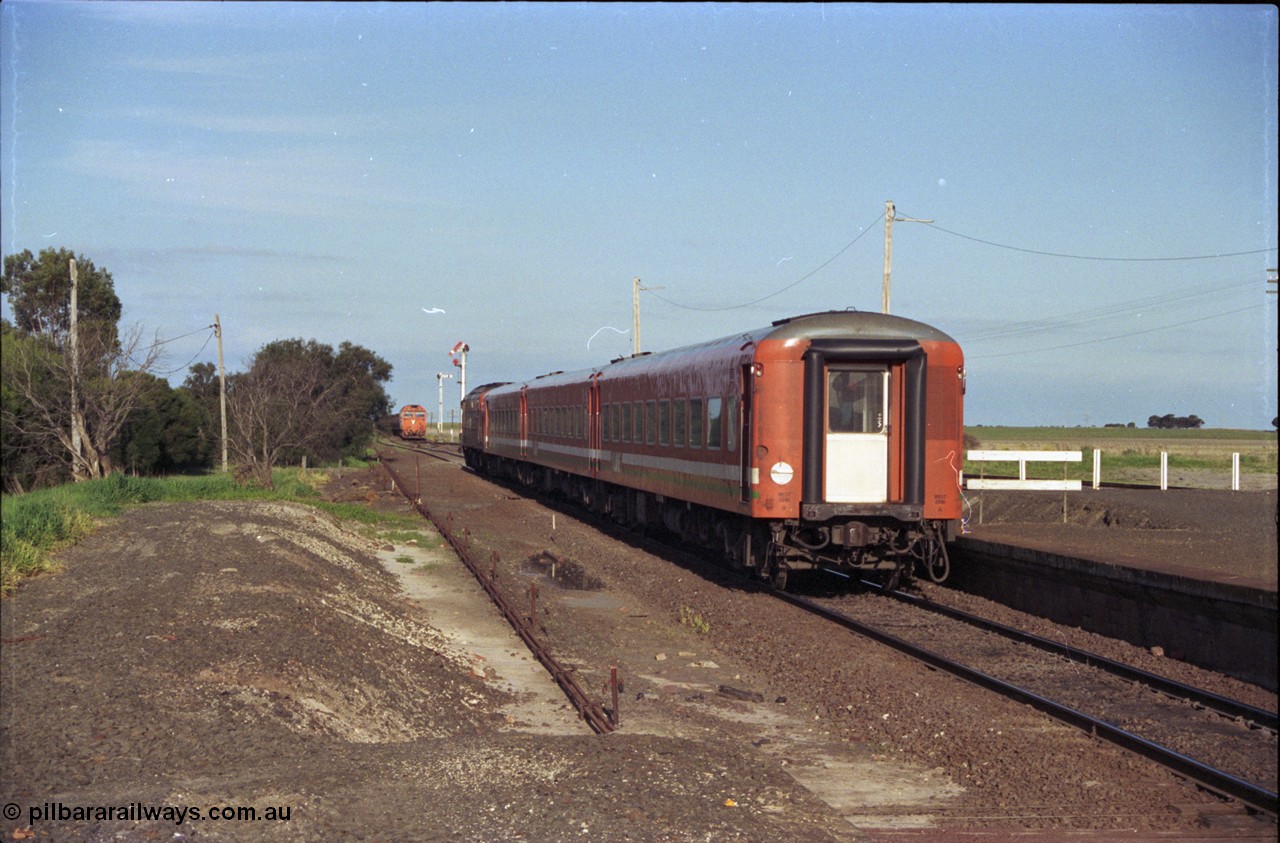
[[1210, 778], [588, 709], [1227, 707]]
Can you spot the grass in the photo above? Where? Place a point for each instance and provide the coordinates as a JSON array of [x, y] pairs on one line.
[[36, 524]]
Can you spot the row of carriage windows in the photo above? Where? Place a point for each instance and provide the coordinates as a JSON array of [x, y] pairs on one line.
[[710, 423]]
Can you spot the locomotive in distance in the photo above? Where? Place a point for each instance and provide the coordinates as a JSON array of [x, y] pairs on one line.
[[413, 422], [828, 440]]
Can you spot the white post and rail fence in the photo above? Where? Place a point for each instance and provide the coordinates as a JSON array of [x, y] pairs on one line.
[[1064, 485]]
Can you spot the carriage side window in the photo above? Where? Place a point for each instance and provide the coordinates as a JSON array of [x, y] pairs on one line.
[[664, 422], [626, 421], [679, 422], [650, 422], [713, 423], [855, 401]]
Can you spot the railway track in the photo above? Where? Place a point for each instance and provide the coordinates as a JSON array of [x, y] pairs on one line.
[[1054, 682], [1222, 745], [442, 451], [485, 572]]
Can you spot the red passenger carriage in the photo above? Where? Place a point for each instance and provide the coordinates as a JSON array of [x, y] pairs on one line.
[[832, 440]]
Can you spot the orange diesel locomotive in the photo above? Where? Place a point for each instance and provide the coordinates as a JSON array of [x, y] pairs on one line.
[[827, 440], [413, 422]]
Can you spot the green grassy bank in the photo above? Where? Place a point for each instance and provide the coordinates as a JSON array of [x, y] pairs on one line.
[[38, 523]]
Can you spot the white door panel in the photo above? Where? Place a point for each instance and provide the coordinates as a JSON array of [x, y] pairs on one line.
[[856, 464]]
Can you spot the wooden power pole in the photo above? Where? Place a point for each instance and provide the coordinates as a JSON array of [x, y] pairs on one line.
[[888, 255], [889, 217], [222, 388], [73, 345], [635, 315]]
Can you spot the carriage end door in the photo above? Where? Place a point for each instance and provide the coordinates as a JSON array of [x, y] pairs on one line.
[[856, 448]]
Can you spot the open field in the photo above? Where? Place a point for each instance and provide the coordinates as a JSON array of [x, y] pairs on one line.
[[1197, 458]]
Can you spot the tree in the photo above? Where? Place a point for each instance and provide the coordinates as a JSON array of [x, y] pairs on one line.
[[164, 432], [203, 388], [1171, 422], [39, 289], [112, 378], [43, 370], [363, 400], [299, 399], [27, 460]]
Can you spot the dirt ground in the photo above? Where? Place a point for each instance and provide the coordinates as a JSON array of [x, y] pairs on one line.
[[1216, 535], [245, 655], [259, 656]]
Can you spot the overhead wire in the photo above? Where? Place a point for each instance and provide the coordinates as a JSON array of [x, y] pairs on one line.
[[1074, 319], [1024, 351], [936, 227], [207, 339], [1059, 321], [802, 278]]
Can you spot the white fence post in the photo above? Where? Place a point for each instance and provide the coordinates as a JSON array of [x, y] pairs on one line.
[[1164, 471], [1235, 472], [1097, 468], [1022, 458]]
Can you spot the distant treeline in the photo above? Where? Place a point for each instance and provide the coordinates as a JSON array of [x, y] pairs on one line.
[[1172, 422]]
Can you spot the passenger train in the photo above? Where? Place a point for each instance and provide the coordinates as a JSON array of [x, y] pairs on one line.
[[827, 440]]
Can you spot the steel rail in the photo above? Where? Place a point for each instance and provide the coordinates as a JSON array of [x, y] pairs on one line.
[[1222, 705], [588, 709], [1212, 779]]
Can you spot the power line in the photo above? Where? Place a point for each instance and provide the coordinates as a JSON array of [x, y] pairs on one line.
[[805, 277], [1025, 351], [1105, 311], [193, 358], [1095, 257]]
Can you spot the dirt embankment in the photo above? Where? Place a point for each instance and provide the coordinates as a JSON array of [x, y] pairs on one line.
[[198, 657]]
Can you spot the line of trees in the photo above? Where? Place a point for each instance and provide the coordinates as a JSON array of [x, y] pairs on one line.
[[1172, 422], [297, 398]]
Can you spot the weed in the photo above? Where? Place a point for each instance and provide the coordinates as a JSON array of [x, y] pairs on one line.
[[693, 620]]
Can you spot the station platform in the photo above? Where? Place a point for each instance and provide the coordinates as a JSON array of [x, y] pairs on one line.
[[1211, 535]]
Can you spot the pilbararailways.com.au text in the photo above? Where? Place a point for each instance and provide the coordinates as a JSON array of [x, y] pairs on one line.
[[139, 812]]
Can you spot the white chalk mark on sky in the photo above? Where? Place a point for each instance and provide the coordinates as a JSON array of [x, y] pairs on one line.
[[432, 310], [606, 328], [784, 260]]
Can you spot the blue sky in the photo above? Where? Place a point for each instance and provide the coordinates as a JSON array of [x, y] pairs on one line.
[[1102, 180]]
